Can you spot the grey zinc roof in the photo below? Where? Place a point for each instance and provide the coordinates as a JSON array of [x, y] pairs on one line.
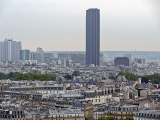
[[148, 114], [66, 111], [130, 83], [144, 86]]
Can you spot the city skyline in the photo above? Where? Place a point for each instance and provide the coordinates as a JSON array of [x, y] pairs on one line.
[[125, 25]]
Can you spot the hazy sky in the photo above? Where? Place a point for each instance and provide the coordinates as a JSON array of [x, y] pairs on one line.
[[59, 25]]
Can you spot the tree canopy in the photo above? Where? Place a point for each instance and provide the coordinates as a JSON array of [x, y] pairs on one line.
[[107, 118], [68, 77], [35, 76], [154, 78], [129, 75], [27, 76], [76, 73], [3, 76], [129, 118]]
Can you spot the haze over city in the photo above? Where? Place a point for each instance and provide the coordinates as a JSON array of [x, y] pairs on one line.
[[60, 25]]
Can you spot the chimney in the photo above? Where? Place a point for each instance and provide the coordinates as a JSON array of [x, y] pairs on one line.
[[139, 80], [3, 87]]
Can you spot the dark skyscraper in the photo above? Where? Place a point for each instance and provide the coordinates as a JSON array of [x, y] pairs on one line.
[[92, 36]]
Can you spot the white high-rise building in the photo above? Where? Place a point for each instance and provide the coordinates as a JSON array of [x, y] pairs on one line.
[[10, 50]]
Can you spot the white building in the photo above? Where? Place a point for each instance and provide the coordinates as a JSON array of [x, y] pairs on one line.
[[10, 50]]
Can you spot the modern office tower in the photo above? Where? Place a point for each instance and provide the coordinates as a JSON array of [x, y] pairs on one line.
[[2, 51], [24, 54], [38, 55], [129, 56], [121, 61], [10, 50], [93, 36], [41, 56], [48, 57], [31, 55]]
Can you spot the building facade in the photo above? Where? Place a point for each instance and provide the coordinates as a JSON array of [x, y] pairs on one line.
[[10, 50], [78, 58], [121, 61], [147, 115], [93, 36], [24, 54], [38, 55], [64, 56], [48, 57]]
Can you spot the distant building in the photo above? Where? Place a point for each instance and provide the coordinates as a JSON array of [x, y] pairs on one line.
[[101, 59], [121, 61], [129, 56], [139, 60], [48, 57], [64, 56], [10, 50], [93, 36], [68, 63], [38, 55], [29, 62], [78, 58], [24, 54]]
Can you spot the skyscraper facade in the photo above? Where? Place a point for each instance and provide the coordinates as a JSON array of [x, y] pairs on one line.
[[93, 36], [10, 50], [38, 55], [24, 54]]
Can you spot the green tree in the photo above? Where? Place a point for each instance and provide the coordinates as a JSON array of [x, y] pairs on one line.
[[3, 76], [25, 76], [19, 77], [52, 77], [112, 77], [35, 76], [129, 118], [43, 77], [155, 78], [76, 73], [107, 118], [68, 77], [13, 74], [129, 75]]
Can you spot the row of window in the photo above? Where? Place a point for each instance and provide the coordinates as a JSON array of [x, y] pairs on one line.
[[37, 88], [148, 115]]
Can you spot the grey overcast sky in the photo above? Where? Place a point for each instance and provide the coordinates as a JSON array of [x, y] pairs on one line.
[[59, 25]]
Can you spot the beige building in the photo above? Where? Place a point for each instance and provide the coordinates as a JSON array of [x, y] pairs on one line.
[[147, 115], [120, 112]]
